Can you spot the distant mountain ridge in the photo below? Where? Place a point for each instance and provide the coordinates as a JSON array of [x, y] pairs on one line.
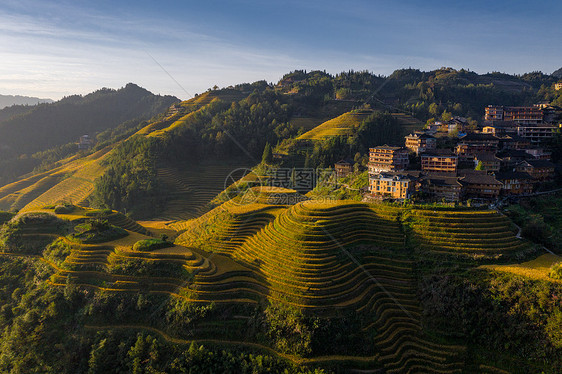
[[9, 100], [45, 126]]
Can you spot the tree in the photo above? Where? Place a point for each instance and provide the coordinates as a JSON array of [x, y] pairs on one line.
[[446, 116], [480, 166], [267, 157], [433, 109]]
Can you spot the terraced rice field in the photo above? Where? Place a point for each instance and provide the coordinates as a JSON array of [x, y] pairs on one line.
[[307, 123], [72, 183], [408, 123], [465, 233], [342, 125], [11, 192], [76, 186], [226, 227], [192, 187], [323, 257], [190, 107], [309, 257]]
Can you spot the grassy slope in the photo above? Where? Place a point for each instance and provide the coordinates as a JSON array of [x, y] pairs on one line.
[[538, 268]]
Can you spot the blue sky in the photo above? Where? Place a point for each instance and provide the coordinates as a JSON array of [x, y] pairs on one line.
[[57, 48]]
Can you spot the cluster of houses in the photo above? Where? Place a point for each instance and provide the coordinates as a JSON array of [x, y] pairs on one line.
[[85, 142], [504, 157]]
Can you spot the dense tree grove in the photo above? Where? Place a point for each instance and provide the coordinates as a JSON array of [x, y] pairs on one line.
[[130, 184], [499, 312]]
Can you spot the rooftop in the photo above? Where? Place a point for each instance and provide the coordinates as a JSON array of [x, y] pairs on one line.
[[512, 175], [486, 156], [346, 161], [399, 175], [512, 153], [439, 153], [477, 136], [442, 179], [420, 136], [387, 147], [477, 177], [538, 163]]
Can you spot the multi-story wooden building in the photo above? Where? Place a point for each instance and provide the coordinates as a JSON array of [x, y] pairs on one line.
[[343, 168], [419, 143], [536, 134], [539, 153], [494, 130], [513, 141], [394, 185], [386, 158], [515, 183], [509, 158], [440, 162], [457, 124], [521, 115], [540, 170], [85, 142], [480, 184], [473, 143], [488, 161], [441, 186]]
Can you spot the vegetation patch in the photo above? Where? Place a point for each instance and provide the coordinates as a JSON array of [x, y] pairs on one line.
[[151, 244], [64, 209], [5, 217], [497, 312], [144, 267], [97, 231], [57, 251], [556, 271]]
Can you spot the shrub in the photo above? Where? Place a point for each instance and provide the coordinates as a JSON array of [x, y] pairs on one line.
[[99, 213], [64, 209], [36, 219], [57, 251], [151, 244], [556, 271]]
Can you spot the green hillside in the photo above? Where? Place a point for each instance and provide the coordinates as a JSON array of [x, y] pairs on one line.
[[255, 278], [330, 260]]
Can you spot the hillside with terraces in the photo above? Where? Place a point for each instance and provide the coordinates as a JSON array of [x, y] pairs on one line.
[[151, 245], [334, 260]]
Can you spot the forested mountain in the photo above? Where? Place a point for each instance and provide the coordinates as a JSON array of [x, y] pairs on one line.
[[49, 125], [39, 135], [9, 100]]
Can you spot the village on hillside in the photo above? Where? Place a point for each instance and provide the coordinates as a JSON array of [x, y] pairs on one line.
[[452, 161]]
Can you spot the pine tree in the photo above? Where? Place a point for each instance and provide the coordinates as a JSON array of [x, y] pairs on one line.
[[267, 157]]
